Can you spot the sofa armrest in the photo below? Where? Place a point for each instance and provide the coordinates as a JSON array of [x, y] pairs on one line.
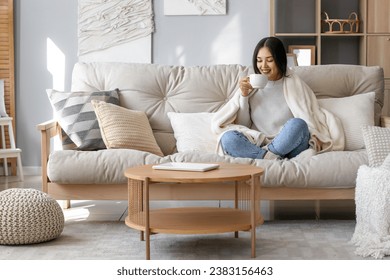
[[48, 129], [47, 125], [385, 121]]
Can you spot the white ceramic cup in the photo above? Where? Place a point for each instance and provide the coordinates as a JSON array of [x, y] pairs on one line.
[[258, 80]]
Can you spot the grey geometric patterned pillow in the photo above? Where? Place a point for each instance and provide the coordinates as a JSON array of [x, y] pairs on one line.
[[377, 142], [77, 117]]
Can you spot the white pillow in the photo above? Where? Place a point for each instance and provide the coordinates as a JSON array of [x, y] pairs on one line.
[[354, 112], [193, 131]]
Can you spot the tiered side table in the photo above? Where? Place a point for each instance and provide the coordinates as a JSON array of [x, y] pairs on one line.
[[245, 215]]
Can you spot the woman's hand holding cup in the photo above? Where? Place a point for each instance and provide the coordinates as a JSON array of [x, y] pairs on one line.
[[257, 81], [245, 86]]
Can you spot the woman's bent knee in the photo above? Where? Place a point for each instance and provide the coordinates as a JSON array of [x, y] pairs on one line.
[[297, 123], [228, 137]]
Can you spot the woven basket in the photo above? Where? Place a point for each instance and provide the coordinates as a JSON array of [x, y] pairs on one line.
[[350, 25], [29, 216]]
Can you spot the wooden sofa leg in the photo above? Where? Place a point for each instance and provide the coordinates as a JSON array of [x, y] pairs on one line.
[[271, 210], [66, 204], [317, 207]]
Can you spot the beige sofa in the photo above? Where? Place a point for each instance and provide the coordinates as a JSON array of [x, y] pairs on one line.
[[159, 89]]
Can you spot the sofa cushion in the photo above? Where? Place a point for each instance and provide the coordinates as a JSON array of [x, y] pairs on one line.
[[207, 88], [159, 89], [77, 118], [353, 112], [332, 169], [124, 128], [193, 131], [95, 167], [338, 80], [377, 140]]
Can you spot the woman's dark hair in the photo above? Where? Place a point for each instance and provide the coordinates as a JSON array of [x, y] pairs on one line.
[[277, 50]]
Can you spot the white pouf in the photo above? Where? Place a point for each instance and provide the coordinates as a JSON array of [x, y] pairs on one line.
[[29, 216], [372, 198]]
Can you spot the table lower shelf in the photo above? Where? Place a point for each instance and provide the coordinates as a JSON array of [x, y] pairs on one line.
[[193, 220]]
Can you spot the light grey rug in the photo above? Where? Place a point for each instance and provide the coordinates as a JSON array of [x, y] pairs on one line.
[[277, 240]]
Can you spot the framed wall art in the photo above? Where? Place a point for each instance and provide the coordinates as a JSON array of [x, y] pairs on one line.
[[194, 7], [305, 54], [115, 30], [291, 60]]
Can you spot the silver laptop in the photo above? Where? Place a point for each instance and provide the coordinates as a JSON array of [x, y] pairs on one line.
[[186, 166]]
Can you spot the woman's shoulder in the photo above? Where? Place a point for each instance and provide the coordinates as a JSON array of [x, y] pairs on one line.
[[291, 73]]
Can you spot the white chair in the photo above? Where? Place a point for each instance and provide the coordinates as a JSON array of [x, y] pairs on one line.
[[11, 152]]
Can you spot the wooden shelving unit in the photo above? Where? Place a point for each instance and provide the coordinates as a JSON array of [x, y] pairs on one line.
[[298, 22]]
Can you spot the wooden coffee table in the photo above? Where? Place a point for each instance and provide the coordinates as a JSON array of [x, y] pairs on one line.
[[244, 216]]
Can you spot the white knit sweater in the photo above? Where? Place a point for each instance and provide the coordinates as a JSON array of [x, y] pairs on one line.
[[266, 108]]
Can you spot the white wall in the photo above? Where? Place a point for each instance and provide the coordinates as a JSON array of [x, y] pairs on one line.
[[202, 40], [36, 22], [46, 37]]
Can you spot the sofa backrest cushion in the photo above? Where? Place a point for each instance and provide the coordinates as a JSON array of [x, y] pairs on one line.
[[340, 80], [159, 89]]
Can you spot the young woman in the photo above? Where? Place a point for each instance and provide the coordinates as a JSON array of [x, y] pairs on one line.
[[284, 117]]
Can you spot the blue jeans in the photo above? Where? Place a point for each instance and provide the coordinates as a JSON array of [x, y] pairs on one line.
[[290, 142]]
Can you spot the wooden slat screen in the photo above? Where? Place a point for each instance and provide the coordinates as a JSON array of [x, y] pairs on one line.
[[7, 68]]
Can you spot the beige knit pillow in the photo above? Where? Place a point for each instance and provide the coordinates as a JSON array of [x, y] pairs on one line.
[[122, 128]]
